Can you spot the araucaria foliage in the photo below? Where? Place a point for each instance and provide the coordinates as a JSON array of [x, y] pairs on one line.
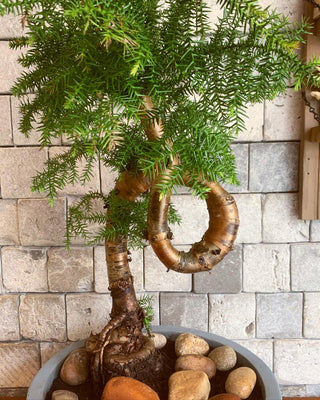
[[154, 92], [90, 63]]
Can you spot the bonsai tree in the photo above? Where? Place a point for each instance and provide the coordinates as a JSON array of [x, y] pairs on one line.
[[152, 91]]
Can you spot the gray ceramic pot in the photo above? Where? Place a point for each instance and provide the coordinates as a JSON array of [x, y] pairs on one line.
[[269, 386]]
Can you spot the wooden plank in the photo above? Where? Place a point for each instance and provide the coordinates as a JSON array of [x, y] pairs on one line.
[[298, 398], [309, 151], [310, 172]]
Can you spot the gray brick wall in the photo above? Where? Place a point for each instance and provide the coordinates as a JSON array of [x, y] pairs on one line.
[[265, 294]]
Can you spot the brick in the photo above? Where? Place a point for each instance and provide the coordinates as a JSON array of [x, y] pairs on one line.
[[19, 364], [311, 315], [279, 315], [48, 350], [10, 26], [313, 390], [194, 214], [297, 361], [18, 137], [97, 206], [42, 317], [108, 178], [70, 270], [10, 69], [241, 152], [232, 315], [158, 278], [24, 270], [283, 117], [225, 277], [40, 224], [293, 390], [280, 219], [86, 313], [5, 126], [8, 222], [249, 206], [184, 309], [266, 268], [192, 229], [77, 188], [215, 11], [292, 9], [23, 164], [305, 267], [9, 327], [261, 348], [34, 137], [273, 167], [254, 124], [315, 231], [101, 281], [101, 272]]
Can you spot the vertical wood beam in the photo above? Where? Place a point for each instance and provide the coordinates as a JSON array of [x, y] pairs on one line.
[[309, 151]]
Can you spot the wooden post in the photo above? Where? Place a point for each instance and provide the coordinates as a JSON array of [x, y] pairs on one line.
[[309, 150]]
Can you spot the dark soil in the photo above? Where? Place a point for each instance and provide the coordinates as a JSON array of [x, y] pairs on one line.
[[85, 391]]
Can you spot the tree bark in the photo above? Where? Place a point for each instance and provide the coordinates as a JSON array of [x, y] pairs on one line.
[[216, 242], [121, 348]]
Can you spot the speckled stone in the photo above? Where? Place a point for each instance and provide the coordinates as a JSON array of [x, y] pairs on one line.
[[187, 343], [189, 385], [159, 340], [196, 362], [64, 395], [241, 382], [224, 357]]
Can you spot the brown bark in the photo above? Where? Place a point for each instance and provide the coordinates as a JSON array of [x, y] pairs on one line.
[[216, 242], [121, 347]]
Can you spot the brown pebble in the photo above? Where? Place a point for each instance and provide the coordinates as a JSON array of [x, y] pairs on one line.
[[64, 395], [196, 362], [187, 343], [126, 388], [224, 357], [241, 382], [189, 385], [75, 369]]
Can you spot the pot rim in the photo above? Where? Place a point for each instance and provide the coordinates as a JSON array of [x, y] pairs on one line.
[[269, 386]]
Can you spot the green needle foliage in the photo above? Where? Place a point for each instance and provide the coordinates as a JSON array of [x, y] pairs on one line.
[[89, 64], [145, 302]]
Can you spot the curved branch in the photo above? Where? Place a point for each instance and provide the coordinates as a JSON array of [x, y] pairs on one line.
[[216, 242]]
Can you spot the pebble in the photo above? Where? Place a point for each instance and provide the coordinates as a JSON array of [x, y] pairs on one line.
[[241, 382], [187, 343], [224, 357], [196, 362], [159, 340], [225, 396], [126, 388], [75, 368], [189, 385], [64, 395]]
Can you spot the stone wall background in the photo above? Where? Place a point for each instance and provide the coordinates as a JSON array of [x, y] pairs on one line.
[[265, 294]]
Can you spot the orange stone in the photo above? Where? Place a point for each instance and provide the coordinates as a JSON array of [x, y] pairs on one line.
[[225, 396], [124, 388]]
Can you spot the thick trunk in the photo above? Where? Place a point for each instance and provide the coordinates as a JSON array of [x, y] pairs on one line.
[[216, 242], [121, 348]]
